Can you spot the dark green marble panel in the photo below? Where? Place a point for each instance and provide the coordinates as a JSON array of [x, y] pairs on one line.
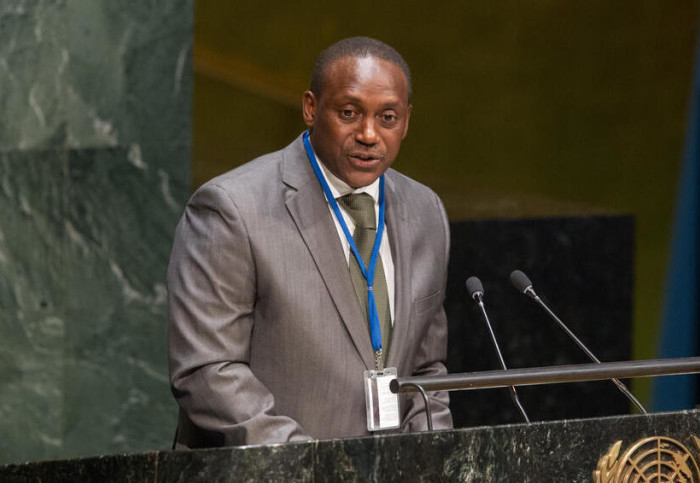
[[84, 242], [94, 73], [33, 74], [32, 303], [95, 107], [122, 217]]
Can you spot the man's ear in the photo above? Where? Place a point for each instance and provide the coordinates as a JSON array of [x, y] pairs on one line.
[[309, 103]]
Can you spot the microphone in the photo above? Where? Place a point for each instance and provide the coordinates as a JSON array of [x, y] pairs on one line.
[[524, 285], [476, 291]]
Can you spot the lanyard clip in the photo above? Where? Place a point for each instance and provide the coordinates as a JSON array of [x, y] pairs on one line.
[[379, 360]]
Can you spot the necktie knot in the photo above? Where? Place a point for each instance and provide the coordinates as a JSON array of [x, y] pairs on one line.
[[360, 207]]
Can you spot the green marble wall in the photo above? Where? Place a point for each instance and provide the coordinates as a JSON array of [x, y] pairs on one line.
[[95, 108]]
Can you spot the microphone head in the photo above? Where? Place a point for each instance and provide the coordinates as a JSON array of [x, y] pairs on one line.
[[520, 281], [474, 286]]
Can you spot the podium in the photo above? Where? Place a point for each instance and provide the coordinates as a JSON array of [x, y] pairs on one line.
[[553, 451]]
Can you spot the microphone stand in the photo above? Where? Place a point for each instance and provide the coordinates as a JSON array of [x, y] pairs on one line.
[[476, 291], [590, 355], [513, 392], [523, 284]]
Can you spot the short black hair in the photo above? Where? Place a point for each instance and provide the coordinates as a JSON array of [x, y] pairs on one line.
[[358, 47]]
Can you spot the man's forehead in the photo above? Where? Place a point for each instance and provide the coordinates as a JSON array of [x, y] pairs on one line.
[[350, 71], [362, 64]]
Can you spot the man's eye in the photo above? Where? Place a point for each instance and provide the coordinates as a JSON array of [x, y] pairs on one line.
[[347, 113], [389, 118]]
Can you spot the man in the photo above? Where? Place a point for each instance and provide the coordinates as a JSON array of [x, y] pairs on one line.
[[270, 314]]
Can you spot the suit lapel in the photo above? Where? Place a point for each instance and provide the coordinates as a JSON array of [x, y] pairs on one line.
[[399, 235], [309, 210]]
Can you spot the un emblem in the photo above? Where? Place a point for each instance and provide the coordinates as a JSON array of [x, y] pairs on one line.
[[656, 459]]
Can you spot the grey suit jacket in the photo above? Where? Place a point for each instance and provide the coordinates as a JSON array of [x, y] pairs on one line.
[[267, 342]]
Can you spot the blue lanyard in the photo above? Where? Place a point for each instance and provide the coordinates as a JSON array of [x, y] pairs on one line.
[[374, 326]]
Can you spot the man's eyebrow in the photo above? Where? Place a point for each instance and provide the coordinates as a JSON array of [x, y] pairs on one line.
[[349, 96], [390, 104]]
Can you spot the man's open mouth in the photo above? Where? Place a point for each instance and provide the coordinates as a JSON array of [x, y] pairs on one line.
[[364, 157]]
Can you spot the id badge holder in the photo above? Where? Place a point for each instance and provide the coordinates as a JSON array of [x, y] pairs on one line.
[[382, 404]]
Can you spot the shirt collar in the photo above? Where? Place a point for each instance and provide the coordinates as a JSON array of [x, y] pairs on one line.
[[340, 188]]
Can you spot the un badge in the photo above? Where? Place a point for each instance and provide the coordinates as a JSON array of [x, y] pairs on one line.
[[655, 460]]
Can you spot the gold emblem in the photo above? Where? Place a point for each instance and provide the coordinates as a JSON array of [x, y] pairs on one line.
[[655, 460]]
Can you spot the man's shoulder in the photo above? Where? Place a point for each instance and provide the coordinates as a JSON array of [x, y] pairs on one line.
[[263, 167], [258, 170], [261, 171], [410, 189]]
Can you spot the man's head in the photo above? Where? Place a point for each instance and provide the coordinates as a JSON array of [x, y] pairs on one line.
[[358, 108]]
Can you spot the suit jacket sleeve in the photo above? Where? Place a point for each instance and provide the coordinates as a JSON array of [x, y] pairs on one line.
[[432, 352], [211, 297]]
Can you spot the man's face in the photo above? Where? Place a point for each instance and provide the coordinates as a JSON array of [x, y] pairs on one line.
[[359, 120]]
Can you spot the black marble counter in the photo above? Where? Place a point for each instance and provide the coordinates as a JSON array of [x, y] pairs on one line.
[[556, 451]]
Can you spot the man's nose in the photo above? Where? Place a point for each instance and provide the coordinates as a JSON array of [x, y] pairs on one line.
[[366, 133]]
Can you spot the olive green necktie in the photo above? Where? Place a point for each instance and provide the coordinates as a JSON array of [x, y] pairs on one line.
[[360, 207]]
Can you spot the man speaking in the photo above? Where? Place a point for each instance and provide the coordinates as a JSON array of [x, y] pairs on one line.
[[301, 281]]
